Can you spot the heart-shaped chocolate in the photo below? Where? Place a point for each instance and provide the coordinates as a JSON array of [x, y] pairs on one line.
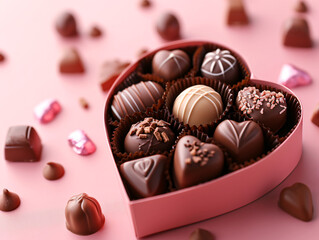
[[296, 200], [170, 65], [267, 107], [145, 176], [196, 162], [243, 140]]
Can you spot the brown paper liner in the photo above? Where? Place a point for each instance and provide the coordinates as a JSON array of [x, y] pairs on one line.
[[134, 78], [175, 88], [293, 109], [117, 141], [199, 57], [144, 67]]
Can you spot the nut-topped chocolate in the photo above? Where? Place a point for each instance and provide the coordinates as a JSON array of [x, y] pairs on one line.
[[267, 107], [149, 135]]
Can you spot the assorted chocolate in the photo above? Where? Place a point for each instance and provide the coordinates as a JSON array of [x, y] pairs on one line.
[[2, 57], [9, 201], [236, 13], [66, 25], [95, 32], [47, 110], [201, 234], [22, 144], [315, 115], [83, 215], [297, 33], [71, 62], [292, 76], [81, 143], [168, 27], [296, 200], [53, 171], [301, 7]]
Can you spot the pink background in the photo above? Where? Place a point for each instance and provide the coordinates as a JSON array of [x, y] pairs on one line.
[[30, 75]]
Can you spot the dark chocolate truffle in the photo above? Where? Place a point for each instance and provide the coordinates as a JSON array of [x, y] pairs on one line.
[[236, 14], [136, 98], [267, 107], [198, 105], [196, 162], [71, 62], [167, 26], [66, 25], [221, 65], [170, 65], [23, 144], [9, 201], [53, 171], [297, 33], [296, 200], [145, 177], [83, 215], [243, 140], [201, 234], [149, 135]]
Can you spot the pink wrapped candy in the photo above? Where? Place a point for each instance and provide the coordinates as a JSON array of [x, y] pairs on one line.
[[291, 76], [81, 143], [47, 110]]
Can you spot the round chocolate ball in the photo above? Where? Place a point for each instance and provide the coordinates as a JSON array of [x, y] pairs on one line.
[[167, 26], [170, 65], [221, 65], [149, 135], [198, 105]]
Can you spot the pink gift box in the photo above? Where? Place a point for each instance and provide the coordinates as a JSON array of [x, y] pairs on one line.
[[218, 196]]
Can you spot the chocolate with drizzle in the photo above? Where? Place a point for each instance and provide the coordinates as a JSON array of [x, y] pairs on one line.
[[149, 135]]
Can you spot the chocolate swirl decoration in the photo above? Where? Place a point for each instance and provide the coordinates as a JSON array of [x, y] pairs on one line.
[[136, 98]]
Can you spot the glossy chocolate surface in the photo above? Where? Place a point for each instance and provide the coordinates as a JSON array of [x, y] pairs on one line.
[[196, 162], [221, 65], [243, 140], [296, 200], [66, 25], [9, 201], [149, 135], [201, 234], [267, 107], [53, 171], [71, 62], [170, 65], [168, 27], [297, 33], [136, 98], [23, 144], [145, 177], [198, 105], [83, 215]]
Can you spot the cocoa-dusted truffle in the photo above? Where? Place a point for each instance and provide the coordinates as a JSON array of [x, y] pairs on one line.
[[221, 65], [243, 140], [136, 98], [198, 105], [170, 65], [9, 201], [149, 135], [267, 107], [145, 177], [168, 27], [196, 162], [66, 25], [83, 215]]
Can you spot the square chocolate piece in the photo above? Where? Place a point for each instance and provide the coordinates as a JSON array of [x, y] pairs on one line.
[[23, 144]]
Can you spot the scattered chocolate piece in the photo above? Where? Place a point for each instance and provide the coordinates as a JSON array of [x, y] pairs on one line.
[[301, 7], [170, 65], [297, 33], [267, 107], [243, 140], [84, 103], [2, 57], [95, 32], [315, 116], [23, 144], [110, 71], [201, 234], [47, 110], [196, 162], [296, 200], [83, 215], [145, 3], [53, 171], [141, 52], [291, 76], [236, 13], [149, 135], [66, 25], [9, 201], [136, 98], [71, 62], [167, 26], [81, 143], [145, 177]]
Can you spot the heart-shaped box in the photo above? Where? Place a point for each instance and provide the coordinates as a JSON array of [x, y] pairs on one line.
[[226, 193]]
